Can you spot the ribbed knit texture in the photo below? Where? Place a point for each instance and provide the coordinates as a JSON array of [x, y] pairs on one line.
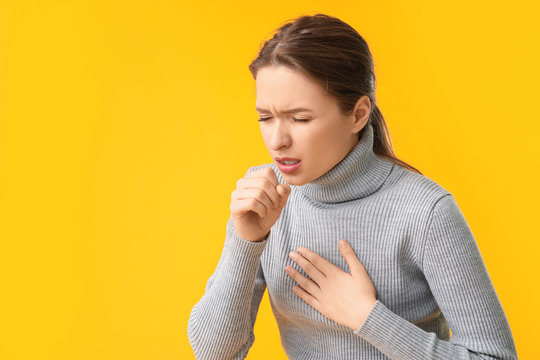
[[415, 244]]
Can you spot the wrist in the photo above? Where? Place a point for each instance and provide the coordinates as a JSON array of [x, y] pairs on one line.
[[367, 310], [264, 238]]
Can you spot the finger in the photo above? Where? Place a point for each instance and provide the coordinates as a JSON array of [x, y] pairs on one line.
[[307, 297], [284, 191], [267, 173], [324, 266], [308, 267], [304, 282], [254, 193], [350, 257], [263, 183], [241, 207]]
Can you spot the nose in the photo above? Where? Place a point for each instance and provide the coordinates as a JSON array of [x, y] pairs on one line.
[[280, 136]]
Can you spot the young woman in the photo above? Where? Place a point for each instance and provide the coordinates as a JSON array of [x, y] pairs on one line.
[[409, 270]]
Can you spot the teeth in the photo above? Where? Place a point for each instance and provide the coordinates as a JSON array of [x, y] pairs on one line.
[[289, 162]]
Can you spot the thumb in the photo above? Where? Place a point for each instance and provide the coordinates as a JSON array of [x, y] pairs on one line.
[[350, 257], [284, 190]]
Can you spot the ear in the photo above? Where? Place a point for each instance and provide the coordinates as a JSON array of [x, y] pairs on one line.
[[361, 112]]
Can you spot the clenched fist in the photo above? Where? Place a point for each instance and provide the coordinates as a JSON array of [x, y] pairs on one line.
[[257, 202]]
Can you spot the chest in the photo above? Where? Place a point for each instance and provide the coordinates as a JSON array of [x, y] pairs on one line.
[[385, 243]]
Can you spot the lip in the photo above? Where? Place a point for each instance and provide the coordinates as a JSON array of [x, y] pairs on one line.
[[288, 168], [286, 159]]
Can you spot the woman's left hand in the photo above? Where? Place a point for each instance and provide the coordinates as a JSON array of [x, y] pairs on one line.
[[346, 298]]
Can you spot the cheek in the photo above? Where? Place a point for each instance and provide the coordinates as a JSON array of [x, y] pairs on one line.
[[319, 149], [265, 134], [325, 148], [325, 140]]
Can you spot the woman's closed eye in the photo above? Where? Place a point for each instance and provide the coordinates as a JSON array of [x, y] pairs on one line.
[[295, 119]]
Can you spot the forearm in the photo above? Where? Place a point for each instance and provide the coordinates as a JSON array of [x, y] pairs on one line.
[[400, 339], [221, 323]]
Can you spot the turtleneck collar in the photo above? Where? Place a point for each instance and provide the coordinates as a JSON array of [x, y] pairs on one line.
[[360, 173]]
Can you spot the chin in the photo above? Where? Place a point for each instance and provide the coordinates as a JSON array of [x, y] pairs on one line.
[[293, 180]]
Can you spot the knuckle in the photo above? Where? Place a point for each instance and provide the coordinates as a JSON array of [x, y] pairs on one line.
[[263, 182]]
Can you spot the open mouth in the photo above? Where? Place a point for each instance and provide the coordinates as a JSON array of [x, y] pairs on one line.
[[288, 166]]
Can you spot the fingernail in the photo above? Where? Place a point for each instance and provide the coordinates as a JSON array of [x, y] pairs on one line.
[[342, 243]]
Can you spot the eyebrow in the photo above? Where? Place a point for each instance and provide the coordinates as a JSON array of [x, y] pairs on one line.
[[289, 111]]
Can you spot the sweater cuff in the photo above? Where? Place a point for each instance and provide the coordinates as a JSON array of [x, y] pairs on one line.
[[390, 333], [243, 255]]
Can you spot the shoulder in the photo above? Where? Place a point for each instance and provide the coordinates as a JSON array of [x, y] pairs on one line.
[[414, 193], [415, 185]]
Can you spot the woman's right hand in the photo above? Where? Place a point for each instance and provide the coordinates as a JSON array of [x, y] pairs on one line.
[[257, 202]]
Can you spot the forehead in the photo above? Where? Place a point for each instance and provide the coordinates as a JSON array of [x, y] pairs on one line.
[[280, 88]]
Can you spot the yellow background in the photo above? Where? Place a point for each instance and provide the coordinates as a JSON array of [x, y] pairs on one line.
[[124, 126]]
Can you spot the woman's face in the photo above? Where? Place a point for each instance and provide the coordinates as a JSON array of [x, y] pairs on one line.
[[320, 142]]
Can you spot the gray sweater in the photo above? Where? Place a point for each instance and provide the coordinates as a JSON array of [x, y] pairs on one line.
[[415, 244]]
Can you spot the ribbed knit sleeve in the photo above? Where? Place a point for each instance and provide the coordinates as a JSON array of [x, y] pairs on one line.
[[460, 283], [221, 324]]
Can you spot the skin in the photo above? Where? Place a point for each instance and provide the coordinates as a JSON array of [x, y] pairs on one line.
[[320, 144], [257, 203]]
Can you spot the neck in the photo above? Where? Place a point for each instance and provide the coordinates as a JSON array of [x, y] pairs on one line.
[[360, 173]]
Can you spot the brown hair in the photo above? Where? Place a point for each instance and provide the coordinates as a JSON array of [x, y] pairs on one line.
[[332, 53]]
